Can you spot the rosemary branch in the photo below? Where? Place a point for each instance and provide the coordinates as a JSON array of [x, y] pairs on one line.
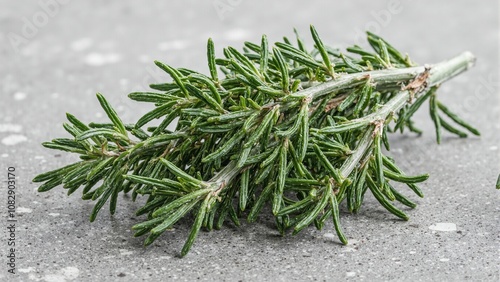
[[299, 130]]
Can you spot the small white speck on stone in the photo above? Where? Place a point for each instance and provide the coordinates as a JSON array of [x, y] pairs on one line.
[[347, 249], [70, 272], [444, 260], [64, 274], [39, 157], [81, 44], [350, 274], [23, 210], [10, 127], [412, 252], [493, 148], [54, 214], [99, 59], [54, 95], [19, 96], [173, 45], [14, 139], [443, 226], [26, 270], [124, 252], [329, 235], [5, 155], [98, 115]]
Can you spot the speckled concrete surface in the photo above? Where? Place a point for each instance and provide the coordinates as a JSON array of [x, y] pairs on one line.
[[82, 47]]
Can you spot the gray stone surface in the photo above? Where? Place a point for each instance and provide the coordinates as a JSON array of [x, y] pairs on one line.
[[84, 47]]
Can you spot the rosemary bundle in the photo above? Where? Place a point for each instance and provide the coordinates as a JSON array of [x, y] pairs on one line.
[[299, 130]]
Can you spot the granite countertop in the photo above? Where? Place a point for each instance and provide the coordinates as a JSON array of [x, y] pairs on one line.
[[56, 56]]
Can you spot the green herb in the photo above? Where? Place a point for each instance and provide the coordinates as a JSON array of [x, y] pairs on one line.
[[299, 131]]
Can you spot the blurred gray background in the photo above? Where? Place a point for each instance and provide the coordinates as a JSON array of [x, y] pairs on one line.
[[55, 55]]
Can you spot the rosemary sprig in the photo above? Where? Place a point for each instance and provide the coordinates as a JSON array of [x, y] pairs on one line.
[[301, 131]]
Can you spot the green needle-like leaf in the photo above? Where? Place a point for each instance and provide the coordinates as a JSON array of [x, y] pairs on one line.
[[322, 50], [283, 68], [377, 150], [243, 192], [156, 113], [336, 214], [380, 198], [56, 172], [312, 214], [100, 203], [164, 210], [404, 178], [196, 226], [101, 132], [264, 54], [261, 128], [179, 172], [226, 148], [435, 117], [112, 114], [211, 60], [171, 219], [457, 119], [280, 181], [176, 76], [263, 197]]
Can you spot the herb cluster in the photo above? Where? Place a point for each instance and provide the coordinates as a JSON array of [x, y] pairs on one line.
[[299, 130]]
